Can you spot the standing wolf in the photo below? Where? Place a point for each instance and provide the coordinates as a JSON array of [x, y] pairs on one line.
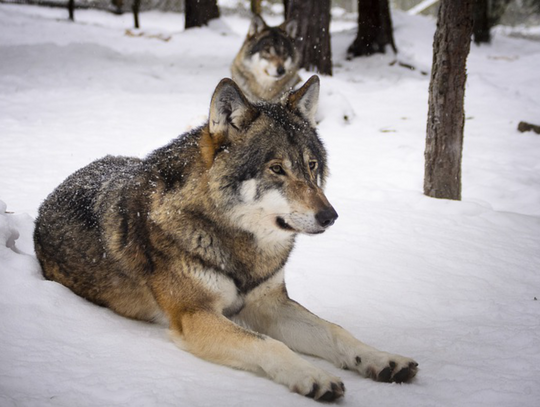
[[198, 233], [267, 64]]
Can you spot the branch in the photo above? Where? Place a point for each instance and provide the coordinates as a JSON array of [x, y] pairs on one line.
[[524, 126]]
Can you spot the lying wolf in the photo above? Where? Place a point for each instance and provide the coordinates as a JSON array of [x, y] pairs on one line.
[[267, 64], [198, 233]]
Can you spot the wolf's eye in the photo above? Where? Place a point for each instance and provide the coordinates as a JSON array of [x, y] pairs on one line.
[[313, 165], [277, 169]]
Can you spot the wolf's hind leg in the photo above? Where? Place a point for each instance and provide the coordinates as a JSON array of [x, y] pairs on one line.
[[213, 337]]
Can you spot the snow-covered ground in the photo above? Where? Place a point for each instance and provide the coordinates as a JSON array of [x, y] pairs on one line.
[[452, 284]]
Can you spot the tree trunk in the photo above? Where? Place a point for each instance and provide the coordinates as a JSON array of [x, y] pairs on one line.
[[71, 9], [375, 30], [313, 36], [136, 7], [285, 8], [200, 12], [446, 118], [118, 4], [256, 7], [482, 22]]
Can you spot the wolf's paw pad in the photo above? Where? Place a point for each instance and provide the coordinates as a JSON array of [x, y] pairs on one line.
[[321, 388], [395, 372], [336, 391]]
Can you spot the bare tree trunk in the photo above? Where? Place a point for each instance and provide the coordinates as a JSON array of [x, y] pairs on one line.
[[118, 4], [313, 36], [446, 118], [71, 9], [375, 30], [200, 12], [482, 22], [285, 8], [136, 7], [256, 7]]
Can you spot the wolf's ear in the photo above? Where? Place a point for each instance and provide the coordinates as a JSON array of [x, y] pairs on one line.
[[306, 99], [290, 27], [229, 108], [257, 25]]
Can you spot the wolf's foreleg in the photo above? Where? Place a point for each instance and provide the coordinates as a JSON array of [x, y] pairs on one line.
[[198, 326], [285, 320], [213, 337]]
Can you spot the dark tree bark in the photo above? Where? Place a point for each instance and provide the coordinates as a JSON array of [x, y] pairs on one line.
[[71, 9], [136, 7], [313, 35], [118, 4], [482, 22], [200, 12], [375, 30], [256, 7], [446, 117]]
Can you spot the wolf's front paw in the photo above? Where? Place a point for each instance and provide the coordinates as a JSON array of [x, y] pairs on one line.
[[385, 367], [319, 385]]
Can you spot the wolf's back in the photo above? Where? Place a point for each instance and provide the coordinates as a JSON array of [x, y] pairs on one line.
[[69, 237]]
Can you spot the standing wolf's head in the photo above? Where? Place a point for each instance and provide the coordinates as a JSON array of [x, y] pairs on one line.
[[267, 64], [266, 164], [269, 50]]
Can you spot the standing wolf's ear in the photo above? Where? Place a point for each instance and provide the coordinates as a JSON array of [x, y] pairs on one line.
[[306, 99], [290, 27], [257, 25], [229, 108]]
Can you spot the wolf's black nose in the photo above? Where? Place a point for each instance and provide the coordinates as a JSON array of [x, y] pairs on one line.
[[280, 70], [326, 217]]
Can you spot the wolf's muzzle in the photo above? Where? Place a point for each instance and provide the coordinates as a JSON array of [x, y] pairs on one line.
[[326, 217]]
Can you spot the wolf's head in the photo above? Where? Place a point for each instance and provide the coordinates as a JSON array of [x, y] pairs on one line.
[[266, 164], [269, 51]]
